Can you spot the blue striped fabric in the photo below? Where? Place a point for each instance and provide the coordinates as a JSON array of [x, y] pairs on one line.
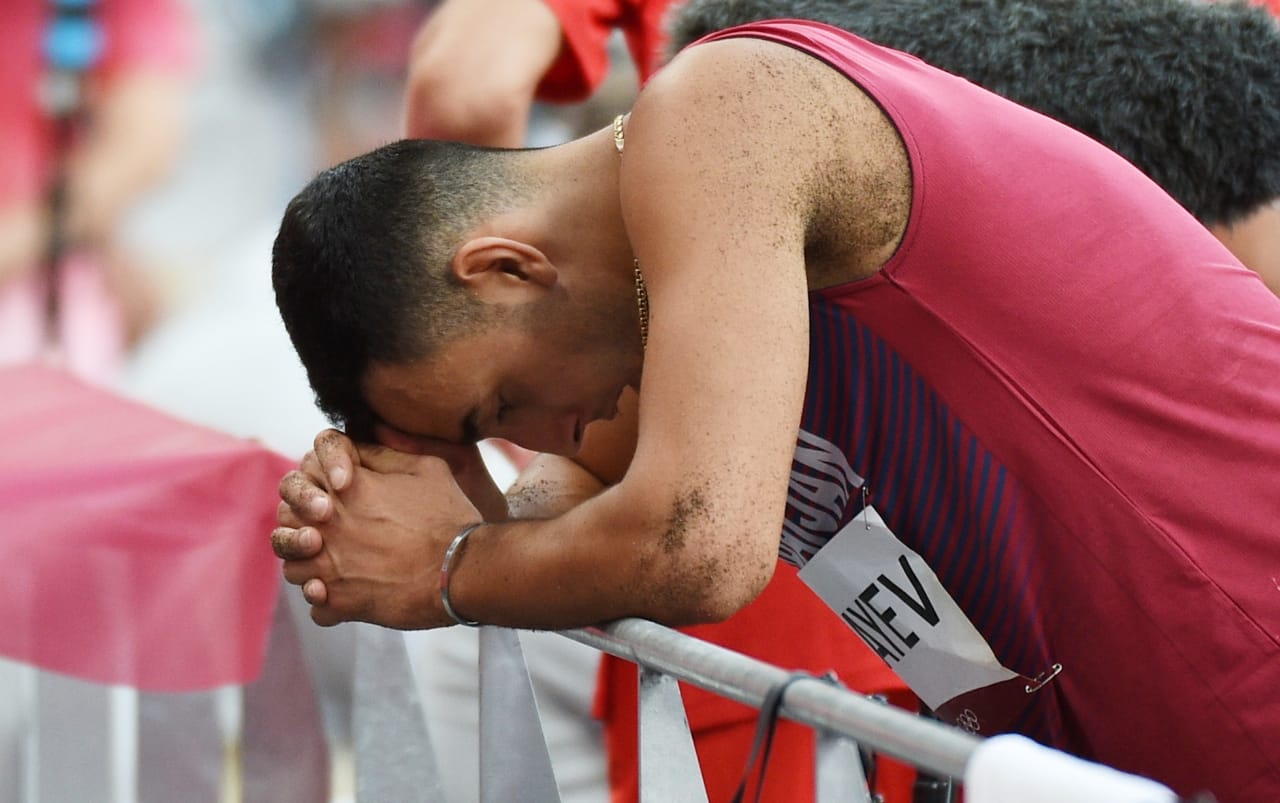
[[868, 414]]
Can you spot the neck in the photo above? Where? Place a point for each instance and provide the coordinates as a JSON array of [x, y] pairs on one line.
[[584, 234], [582, 221]]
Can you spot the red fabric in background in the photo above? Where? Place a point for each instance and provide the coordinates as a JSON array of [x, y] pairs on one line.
[[134, 547], [787, 626]]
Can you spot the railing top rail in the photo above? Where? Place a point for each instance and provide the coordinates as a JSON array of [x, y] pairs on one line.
[[929, 745]]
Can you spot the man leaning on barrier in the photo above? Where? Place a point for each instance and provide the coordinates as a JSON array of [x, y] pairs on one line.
[[1014, 410]]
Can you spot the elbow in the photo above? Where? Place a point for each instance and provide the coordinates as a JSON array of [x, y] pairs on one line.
[[693, 557], [708, 586], [735, 591]]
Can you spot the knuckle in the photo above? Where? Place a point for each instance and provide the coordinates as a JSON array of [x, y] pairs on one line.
[[294, 574], [284, 515], [290, 484], [310, 465], [328, 440]]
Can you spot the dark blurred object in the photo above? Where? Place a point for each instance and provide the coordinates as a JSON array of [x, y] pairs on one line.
[[73, 44]]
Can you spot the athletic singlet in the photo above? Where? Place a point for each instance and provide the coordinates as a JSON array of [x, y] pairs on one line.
[[1064, 395]]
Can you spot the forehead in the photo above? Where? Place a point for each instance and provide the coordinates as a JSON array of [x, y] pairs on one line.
[[429, 397]]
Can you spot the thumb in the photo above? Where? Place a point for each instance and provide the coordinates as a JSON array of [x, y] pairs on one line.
[[337, 456]]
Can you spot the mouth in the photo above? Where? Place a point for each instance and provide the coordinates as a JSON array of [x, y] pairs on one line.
[[608, 412]]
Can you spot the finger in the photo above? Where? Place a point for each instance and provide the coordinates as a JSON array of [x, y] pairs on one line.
[[402, 441], [285, 517], [315, 592], [391, 461], [310, 466], [298, 572], [326, 616], [295, 544], [308, 500], [457, 455], [338, 458]]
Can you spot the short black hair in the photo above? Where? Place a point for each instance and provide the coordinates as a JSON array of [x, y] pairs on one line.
[[1187, 91], [360, 265]]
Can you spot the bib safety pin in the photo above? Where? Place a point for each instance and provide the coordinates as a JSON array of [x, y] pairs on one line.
[[1043, 678]]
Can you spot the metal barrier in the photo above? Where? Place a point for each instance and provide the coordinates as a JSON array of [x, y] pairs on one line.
[[62, 750], [1000, 770], [814, 702]]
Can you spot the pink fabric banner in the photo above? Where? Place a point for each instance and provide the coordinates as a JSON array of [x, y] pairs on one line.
[[134, 548]]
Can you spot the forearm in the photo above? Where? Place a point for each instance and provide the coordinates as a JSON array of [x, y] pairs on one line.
[[474, 69], [604, 559], [23, 235], [132, 144]]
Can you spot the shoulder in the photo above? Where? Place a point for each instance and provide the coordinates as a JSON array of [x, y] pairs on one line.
[[781, 135], [737, 104]]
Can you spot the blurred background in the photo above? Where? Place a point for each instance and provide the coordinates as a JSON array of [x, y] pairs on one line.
[[262, 94], [169, 135]]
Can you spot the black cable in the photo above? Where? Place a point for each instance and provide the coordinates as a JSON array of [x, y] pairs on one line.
[[766, 724]]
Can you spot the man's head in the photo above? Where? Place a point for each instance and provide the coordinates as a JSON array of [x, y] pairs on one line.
[[1187, 91], [426, 298], [361, 263]]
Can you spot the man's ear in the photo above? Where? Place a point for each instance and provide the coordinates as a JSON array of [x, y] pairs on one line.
[[500, 270]]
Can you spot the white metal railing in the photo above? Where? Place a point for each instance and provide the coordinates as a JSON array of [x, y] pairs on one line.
[[1004, 769], [68, 748], [814, 702]]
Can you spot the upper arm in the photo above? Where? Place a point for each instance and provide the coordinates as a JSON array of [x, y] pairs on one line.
[[716, 187], [474, 68]]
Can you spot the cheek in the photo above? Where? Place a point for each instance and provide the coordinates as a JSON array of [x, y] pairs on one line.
[[568, 382]]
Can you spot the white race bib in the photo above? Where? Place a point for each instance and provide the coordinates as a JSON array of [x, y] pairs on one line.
[[891, 598]]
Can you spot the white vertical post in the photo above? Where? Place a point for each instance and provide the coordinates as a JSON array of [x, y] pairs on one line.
[[514, 761], [394, 759], [178, 748], [669, 768], [73, 755], [17, 699], [840, 777], [285, 756]]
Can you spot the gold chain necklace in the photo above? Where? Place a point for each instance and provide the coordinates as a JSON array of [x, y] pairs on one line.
[[642, 292]]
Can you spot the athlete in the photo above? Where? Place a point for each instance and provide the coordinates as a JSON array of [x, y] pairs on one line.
[[1012, 409]]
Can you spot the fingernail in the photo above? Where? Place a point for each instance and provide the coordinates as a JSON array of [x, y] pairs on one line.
[[307, 538], [319, 506], [338, 477]]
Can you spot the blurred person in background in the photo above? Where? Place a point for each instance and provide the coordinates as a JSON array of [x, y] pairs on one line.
[[478, 68], [356, 52], [91, 116], [1189, 92]]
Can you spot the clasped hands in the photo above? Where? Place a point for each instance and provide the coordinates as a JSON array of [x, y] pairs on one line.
[[362, 528]]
